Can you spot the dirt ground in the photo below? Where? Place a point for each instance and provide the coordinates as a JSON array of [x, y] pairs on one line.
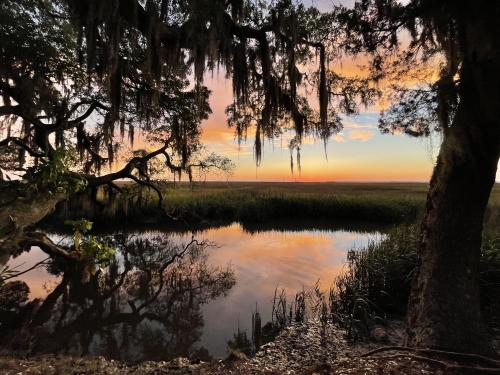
[[303, 349]]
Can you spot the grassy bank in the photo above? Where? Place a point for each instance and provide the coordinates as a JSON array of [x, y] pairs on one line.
[[376, 284], [374, 290], [219, 203]]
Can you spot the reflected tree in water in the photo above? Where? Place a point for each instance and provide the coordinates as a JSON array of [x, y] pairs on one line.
[[145, 305]]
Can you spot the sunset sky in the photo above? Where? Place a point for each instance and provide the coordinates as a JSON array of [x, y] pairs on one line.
[[359, 153]]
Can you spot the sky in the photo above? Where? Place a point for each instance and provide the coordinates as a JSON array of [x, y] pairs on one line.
[[359, 153]]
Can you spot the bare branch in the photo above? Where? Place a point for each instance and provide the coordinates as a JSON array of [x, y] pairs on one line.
[[41, 263], [126, 172], [150, 185]]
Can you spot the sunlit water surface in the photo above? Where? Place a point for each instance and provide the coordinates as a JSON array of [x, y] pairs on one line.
[[262, 262]]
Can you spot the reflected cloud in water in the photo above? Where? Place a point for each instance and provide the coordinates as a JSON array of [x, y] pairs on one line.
[[142, 307]]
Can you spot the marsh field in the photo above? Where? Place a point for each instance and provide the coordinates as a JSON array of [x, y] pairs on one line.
[[253, 202], [270, 204]]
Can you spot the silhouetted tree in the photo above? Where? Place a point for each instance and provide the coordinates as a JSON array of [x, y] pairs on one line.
[[63, 121], [66, 64], [88, 70], [460, 42]]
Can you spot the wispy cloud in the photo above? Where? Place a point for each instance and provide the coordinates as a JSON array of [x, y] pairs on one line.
[[361, 135], [352, 125], [339, 137], [367, 120]]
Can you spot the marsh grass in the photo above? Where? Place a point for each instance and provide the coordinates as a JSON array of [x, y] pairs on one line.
[[258, 203], [252, 203], [377, 281], [308, 304]]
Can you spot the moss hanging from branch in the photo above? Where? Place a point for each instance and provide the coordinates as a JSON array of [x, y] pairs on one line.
[[258, 145], [80, 139], [292, 68], [262, 49], [323, 89], [131, 134], [122, 128], [240, 73], [153, 56]]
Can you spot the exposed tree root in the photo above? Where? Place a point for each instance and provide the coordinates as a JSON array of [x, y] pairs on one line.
[[475, 363]]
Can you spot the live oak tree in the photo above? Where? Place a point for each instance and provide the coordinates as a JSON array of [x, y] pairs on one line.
[[459, 41], [84, 73], [65, 121]]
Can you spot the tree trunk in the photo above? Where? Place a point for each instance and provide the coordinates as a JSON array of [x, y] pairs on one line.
[[18, 213], [444, 307]]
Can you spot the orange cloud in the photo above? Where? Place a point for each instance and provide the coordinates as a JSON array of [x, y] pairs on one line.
[[217, 134], [360, 135], [339, 137]]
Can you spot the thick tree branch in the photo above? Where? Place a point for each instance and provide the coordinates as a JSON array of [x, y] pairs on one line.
[[126, 172], [47, 246], [69, 124], [17, 110], [10, 110], [20, 143]]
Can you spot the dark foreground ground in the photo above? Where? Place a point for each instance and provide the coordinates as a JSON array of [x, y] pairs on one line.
[[302, 349]]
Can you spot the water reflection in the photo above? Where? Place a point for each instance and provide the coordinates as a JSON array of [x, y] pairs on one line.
[[266, 260], [146, 305], [198, 306]]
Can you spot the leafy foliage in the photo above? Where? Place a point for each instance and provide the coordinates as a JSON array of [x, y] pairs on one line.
[[423, 41], [414, 113], [54, 175], [92, 252]]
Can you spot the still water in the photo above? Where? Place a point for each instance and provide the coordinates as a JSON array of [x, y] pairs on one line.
[[143, 307]]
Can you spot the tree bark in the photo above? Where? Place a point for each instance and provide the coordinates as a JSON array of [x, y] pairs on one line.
[[444, 307], [18, 213]]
